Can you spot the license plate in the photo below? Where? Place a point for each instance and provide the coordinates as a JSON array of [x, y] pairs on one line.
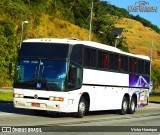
[[36, 104]]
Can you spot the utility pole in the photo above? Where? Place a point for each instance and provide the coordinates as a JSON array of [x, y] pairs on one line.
[[151, 53], [90, 26]]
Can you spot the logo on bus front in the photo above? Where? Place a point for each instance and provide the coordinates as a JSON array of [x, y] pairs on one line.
[[36, 96], [38, 85]]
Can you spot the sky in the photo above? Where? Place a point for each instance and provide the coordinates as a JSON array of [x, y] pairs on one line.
[[153, 17]]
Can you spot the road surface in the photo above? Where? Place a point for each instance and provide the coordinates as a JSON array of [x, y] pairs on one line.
[[102, 122]]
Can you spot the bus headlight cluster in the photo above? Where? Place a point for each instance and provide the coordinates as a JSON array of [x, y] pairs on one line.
[[18, 95], [56, 98]]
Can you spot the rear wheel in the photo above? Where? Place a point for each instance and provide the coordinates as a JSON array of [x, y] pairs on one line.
[[82, 108], [124, 106], [132, 107]]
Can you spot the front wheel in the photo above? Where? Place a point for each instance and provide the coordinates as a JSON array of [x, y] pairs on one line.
[[124, 106], [82, 108]]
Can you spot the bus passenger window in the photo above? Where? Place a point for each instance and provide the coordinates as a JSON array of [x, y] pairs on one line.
[[147, 67], [132, 65], [93, 58], [87, 57], [105, 60], [100, 59], [125, 63], [111, 61], [121, 63]]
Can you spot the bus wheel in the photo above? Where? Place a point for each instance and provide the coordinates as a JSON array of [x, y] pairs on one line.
[[132, 107], [124, 106], [82, 108]]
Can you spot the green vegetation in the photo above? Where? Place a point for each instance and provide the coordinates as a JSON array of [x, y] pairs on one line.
[[46, 16], [6, 96], [155, 77], [155, 97]]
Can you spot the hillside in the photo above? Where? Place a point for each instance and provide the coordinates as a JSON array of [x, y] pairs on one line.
[[139, 38], [51, 27], [63, 19]]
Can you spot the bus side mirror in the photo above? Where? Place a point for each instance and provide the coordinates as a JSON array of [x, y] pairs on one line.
[[10, 68]]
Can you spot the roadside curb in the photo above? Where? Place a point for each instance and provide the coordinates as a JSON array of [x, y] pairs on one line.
[[154, 102]]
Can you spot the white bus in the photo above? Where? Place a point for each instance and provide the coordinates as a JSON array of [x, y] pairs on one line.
[[73, 76]]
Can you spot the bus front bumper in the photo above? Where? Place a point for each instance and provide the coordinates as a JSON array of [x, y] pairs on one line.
[[57, 106]]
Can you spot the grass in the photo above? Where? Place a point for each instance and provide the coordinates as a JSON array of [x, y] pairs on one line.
[[6, 97], [155, 97]]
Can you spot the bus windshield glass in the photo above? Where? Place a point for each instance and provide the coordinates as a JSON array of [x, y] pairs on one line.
[[41, 74]]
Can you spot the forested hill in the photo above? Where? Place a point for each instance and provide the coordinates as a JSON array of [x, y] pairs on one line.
[[56, 18]]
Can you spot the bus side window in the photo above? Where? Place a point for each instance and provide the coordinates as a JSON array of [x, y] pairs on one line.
[[105, 60], [87, 57], [93, 58], [125, 63], [100, 59], [74, 77], [111, 61], [121, 63], [147, 67], [132, 65], [76, 54]]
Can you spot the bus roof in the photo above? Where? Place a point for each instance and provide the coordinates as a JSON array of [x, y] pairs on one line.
[[73, 41]]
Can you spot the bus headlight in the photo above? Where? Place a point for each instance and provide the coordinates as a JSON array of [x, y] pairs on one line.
[[18, 95], [56, 98], [51, 98]]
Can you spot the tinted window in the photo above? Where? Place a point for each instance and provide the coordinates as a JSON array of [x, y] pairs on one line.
[[44, 50], [100, 59], [87, 57], [125, 63], [41, 74], [116, 61], [132, 65], [76, 54], [93, 58], [147, 67], [113, 61], [105, 60], [90, 57], [121, 63], [74, 77], [140, 66]]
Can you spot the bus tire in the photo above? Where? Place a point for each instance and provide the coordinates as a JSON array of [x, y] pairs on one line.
[[124, 107], [82, 108], [132, 107]]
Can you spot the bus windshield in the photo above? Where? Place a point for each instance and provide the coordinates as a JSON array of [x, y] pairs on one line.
[[41, 74]]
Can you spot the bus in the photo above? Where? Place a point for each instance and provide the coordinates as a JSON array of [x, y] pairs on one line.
[[74, 76]]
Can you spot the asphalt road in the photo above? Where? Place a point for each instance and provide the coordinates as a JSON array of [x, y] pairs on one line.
[[101, 122]]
